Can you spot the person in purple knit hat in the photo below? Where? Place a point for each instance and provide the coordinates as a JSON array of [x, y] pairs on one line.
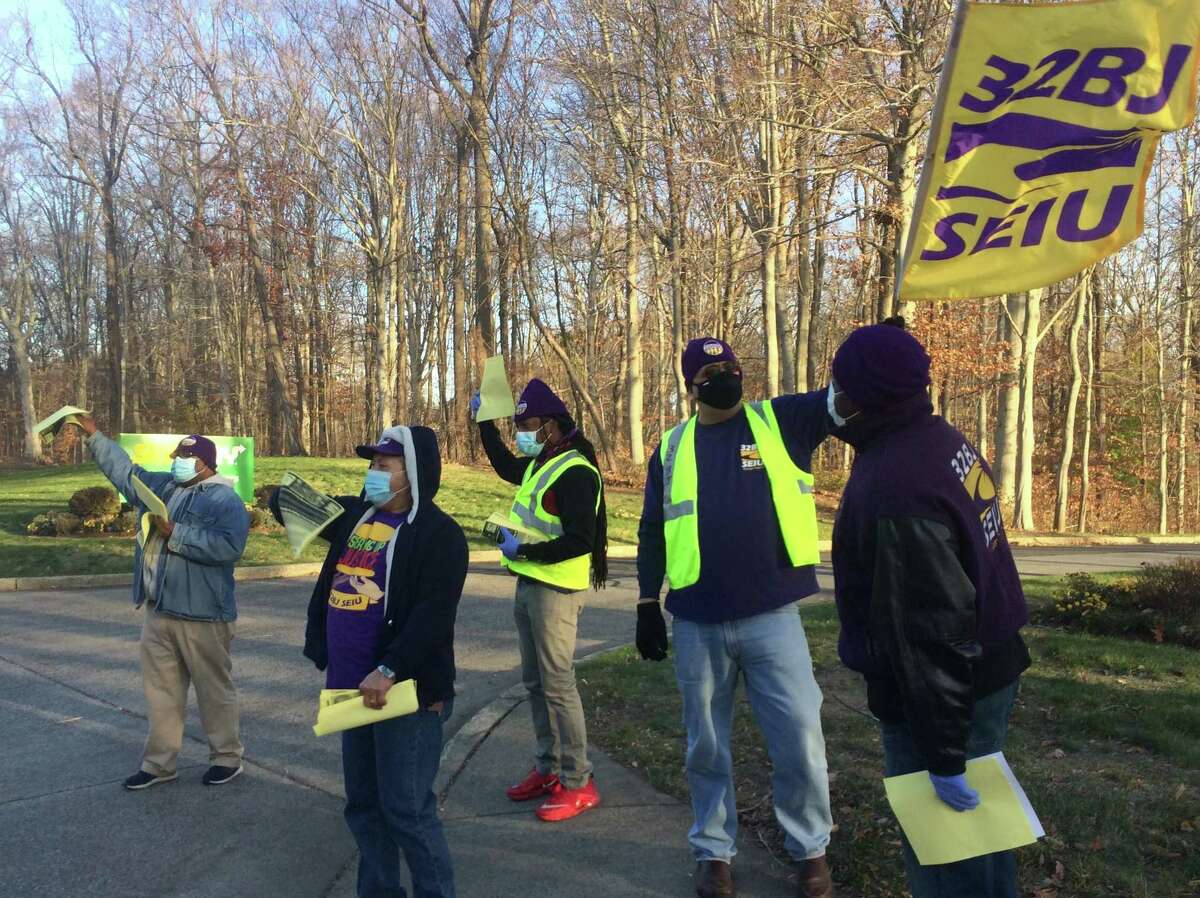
[[928, 595], [560, 552]]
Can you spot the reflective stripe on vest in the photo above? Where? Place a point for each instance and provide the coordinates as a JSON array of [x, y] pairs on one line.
[[527, 510], [791, 493]]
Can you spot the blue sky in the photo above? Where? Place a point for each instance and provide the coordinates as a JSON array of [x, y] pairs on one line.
[[51, 28]]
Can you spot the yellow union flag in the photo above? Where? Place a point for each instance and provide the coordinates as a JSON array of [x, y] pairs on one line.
[[1047, 120]]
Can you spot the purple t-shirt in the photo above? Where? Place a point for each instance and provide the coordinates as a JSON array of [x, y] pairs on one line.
[[354, 616]]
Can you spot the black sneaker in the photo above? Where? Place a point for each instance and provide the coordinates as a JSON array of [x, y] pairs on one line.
[[144, 780], [216, 776]]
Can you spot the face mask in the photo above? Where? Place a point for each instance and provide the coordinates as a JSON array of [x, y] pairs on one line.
[[528, 443], [723, 390], [378, 487], [831, 404], [183, 469]]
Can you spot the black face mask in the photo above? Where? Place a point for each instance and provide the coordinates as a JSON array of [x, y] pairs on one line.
[[723, 390]]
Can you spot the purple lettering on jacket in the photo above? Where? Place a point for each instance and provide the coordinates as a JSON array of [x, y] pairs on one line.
[[1096, 67], [1176, 57], [1030, 132], [1069, 228], [944, 231]]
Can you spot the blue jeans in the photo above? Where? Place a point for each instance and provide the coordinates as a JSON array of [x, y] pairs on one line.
[[389, 768], [989, 876], [771, 651]]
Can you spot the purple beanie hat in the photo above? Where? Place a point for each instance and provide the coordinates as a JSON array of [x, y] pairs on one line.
[[200, 447], [538, 401], [704, 351], [879, 365]]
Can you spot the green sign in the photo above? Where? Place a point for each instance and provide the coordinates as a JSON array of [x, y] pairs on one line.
[[235, 456]]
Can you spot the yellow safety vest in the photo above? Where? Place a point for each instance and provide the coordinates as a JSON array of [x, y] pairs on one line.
[[527, 510], [791, 491]]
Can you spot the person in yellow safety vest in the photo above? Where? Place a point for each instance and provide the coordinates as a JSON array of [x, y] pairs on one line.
[[561, 552], [729, 519]]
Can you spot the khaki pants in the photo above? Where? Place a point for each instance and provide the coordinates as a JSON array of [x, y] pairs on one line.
[[547, 621], [177, 652]]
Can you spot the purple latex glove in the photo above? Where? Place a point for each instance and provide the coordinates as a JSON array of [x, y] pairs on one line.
[[508, 543], [954, 791]]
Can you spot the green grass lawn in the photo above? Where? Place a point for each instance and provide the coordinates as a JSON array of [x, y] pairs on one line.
[[1105, 738], [469, 494]]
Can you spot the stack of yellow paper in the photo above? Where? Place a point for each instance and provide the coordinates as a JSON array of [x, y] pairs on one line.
[[941, 835], [343, 709], [154, 505]]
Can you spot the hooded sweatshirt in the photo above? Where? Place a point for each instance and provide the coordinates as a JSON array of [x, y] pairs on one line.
[[927, 591], [424, 559]]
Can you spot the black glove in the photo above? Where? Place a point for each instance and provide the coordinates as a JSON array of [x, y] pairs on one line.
[[651, 632]]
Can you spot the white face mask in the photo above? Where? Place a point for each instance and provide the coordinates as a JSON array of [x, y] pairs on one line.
[[831, 405]]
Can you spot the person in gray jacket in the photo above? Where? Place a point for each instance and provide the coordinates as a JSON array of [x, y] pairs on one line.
[[183, 575]]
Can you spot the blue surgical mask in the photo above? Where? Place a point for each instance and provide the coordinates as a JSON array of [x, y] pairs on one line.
[[378, 487], [529, 444], [183, 469]]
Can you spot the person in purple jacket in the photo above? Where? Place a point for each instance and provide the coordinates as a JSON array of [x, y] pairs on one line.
[[928, 595]]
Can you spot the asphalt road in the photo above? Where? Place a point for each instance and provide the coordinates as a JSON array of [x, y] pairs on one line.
[[71, 723]]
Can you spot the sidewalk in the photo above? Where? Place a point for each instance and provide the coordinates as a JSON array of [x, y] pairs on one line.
[[633, 844]]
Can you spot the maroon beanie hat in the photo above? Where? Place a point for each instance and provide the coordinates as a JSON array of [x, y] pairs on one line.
[[201, 447], [879, 365], [704, 351], [539, 401]]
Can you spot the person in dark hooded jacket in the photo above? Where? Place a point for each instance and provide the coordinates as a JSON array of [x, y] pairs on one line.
[[382, 611], [928, 595]]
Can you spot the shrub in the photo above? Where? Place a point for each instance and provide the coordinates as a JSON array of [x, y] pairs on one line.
[[1160, 603], [261, 519], [54, 523], [262, 495], [125, 522], [95, 502]]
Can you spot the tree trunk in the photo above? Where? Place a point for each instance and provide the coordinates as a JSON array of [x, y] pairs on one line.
[[1023, 512], [633, 329], [1012, 320], [1085, 454], [1068, 440]]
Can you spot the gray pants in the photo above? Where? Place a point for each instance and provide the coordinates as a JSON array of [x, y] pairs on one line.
[[547, 621]]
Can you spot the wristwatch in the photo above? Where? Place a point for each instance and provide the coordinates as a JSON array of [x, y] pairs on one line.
[[386, 671]]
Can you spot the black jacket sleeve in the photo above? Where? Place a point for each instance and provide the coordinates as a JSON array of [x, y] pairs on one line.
[[439, 586], [923, 617], [652, 541], [505, 463], [575, 491]]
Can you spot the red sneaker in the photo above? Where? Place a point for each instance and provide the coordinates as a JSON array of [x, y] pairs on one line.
[[564, 803], [533, 786]]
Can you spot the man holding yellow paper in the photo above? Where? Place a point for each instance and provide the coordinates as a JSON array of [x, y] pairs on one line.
[[928, 595], [184, 578], [383, 611]]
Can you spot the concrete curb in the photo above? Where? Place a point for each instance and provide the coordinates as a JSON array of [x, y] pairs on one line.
[[248, 572], [462, 746]]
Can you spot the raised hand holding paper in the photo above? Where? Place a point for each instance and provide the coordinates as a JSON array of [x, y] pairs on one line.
[[496, 399], [939, 834], [305, 511], [68, 413]]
